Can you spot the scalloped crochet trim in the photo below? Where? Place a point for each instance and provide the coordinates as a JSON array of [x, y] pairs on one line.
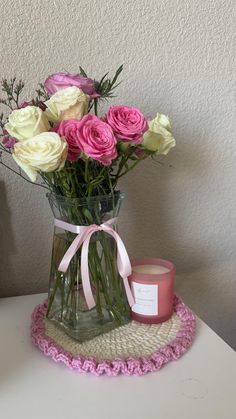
[[128, 366]]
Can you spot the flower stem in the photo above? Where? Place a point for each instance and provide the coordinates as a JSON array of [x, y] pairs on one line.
[[96, 106], [19, 174]]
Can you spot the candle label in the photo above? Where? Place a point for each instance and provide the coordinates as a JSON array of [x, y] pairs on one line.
[[146, 299]]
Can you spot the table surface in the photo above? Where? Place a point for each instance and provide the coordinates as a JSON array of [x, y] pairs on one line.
[[199, 385]]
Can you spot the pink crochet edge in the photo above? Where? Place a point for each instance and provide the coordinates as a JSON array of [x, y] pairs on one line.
[[129, 366]]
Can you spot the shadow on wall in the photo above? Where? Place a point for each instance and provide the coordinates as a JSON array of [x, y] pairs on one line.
[[165, 208], [7, 243], [25, 240]]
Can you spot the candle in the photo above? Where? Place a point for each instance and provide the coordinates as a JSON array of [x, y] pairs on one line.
[[152, 284], [150, 269]]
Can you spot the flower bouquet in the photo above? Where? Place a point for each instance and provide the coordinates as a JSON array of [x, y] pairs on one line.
[[79, 158]]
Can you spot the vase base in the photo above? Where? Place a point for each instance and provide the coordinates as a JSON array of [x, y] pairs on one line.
[[88, 324]]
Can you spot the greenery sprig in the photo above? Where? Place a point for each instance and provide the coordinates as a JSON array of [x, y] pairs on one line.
[[12, 90], [106, 86]]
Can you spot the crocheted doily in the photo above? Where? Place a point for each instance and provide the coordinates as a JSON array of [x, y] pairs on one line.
[[133, 349]]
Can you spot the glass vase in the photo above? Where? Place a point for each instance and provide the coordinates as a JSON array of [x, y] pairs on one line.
[[67, 305]]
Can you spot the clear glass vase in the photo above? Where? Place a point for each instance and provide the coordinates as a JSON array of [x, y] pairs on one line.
[[67, 305]]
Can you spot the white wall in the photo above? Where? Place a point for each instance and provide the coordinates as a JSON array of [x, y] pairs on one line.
[[179, 59]]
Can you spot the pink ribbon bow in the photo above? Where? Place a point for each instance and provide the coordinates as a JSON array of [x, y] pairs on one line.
[[83, 237]]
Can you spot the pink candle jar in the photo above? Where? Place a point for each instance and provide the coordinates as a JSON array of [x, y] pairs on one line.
[[152, 284]]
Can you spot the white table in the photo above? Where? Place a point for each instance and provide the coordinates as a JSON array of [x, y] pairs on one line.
[[201, 385]]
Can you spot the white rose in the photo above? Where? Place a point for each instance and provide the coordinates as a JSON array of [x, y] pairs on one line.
[[68, 103], [158, 138], [46, 152], [26, 123], [160, 120]]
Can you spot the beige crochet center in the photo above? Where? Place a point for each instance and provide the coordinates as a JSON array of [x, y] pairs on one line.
[[131, 340]]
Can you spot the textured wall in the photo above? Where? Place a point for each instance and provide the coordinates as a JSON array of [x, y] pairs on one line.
[[179, 60]]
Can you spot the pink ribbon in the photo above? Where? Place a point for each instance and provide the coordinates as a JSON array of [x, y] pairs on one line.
[[83, 237]]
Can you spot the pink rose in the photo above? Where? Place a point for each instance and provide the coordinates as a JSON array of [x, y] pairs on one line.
[[128, 123], [69, 130], [96, 139], [62, 80]]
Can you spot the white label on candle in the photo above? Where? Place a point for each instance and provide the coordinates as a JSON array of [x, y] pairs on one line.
[[146, 299]]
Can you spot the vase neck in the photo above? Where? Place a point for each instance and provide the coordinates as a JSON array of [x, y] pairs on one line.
[[86, 211]]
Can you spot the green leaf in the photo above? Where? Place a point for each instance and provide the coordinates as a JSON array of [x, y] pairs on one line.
[[102, 79], [88, 215], [106, 86], [82, 72], [120, 69]]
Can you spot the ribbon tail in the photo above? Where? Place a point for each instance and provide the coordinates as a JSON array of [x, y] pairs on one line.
[[88, 294], [123, 265], [128, 291], [123, 262], [71, 251]]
